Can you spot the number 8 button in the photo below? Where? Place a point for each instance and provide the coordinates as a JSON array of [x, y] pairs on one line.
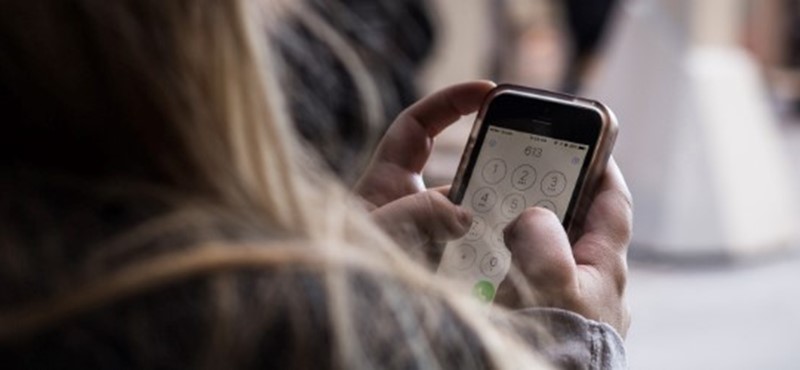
[[523, 177]]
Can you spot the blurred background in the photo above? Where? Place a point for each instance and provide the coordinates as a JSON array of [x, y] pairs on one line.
[[708, 98]]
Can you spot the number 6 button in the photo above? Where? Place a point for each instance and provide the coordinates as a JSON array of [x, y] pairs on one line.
[[523, 177]]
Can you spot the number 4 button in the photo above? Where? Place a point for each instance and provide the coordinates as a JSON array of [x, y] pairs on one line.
[[484, 199]]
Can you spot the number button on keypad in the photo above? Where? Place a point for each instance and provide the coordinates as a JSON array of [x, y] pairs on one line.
[[523, 177], [546, 204], [484, 199], [553, 183], [494, 171], [512, 205], [477, 229], [463, 256], [492, 264]]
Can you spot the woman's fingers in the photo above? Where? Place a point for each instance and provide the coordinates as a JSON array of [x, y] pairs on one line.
[[395, 170], [408, 141], [608, 228], [419, 220]]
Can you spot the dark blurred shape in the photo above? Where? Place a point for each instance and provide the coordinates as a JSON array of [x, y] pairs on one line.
[[792, 45], [392, 37], [587, 20], [793, 32]]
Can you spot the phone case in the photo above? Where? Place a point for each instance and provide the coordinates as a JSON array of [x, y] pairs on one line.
[[597, 163]]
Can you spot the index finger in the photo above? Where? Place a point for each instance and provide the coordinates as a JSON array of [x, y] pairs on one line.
[[435, 112], [408, 141]]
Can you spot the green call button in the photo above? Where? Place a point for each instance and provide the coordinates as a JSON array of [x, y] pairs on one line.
[[484, 291]]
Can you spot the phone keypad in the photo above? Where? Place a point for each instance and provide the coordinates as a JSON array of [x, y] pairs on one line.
[[513, 171]]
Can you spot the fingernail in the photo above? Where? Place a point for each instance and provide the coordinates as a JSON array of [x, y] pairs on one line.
[[465, 217]]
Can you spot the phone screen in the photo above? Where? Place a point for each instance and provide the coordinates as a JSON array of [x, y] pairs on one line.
[[527, 170], [513, 170]]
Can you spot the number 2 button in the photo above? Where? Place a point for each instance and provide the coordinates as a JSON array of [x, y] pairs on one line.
[[523, 177]]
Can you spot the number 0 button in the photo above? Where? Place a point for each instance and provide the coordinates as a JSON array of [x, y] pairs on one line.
[[484, 199], [523, 177], [494, 171], [554, 183], [492, 264]]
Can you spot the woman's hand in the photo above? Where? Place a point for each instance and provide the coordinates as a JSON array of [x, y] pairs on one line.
[[588, 278], [392, 183], [395, 170]]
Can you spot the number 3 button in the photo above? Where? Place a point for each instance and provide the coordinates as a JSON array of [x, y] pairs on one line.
[[554, 183], [523, 177]]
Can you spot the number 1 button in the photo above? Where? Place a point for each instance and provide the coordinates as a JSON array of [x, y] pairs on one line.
[[494, 171]]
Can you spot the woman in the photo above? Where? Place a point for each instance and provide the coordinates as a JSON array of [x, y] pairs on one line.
[[157, 212]]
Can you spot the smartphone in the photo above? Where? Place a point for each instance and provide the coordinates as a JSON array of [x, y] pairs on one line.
[[528, 147]]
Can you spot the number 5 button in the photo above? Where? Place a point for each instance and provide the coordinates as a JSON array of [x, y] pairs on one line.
[[513, 205], [523, 177]]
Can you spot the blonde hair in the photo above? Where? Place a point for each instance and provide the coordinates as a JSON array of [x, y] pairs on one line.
[[166, 116]]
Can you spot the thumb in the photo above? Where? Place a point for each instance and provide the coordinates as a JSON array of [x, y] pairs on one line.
[[542, 253]]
